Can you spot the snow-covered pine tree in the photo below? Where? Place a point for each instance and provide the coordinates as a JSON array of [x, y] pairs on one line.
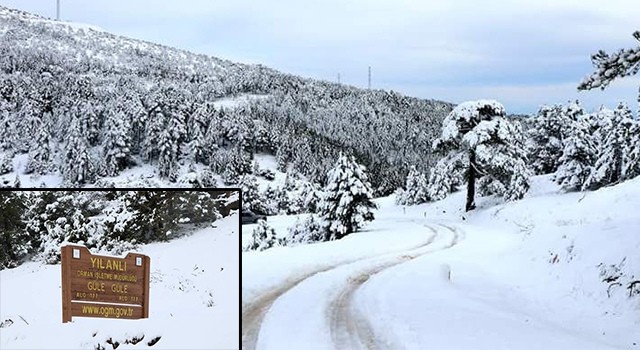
[[347, 202], [311, 195], [233, 163], [615, 149], [416, 189], [6, 163], [153, 129], [90, 122], [116, 144], [578, 156], [252, 199], [8, 131], [501, 156], [446, 176], [14, 240], [263, 237], [41, 153], [545, 138], [197, 149], [168, 156], [622, 63], [74, 229], [77, 165], [573, 110], [631, 158], [491, 146], [53, 218]]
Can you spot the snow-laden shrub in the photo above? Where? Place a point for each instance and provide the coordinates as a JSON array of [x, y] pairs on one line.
[[263, 237], [64, 230], [53, 218], [617, 276], [312, 229], [116, 246], [198, 179], [270, 201]]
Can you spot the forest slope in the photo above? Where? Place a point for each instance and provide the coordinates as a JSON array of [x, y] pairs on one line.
[[85, 104]]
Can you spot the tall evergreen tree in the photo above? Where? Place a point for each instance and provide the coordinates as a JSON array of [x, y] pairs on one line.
[[14, 241], [168, 156], [41, 153], [611, 166], [78, 167], [492, 146], [545, 138], [578, 157], [116, 144]]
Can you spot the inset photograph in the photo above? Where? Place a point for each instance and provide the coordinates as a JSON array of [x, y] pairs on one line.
[[98, 269]]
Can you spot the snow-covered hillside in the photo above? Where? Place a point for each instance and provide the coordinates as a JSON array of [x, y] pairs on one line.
[[194, 297], [84, 107], [521, 275]]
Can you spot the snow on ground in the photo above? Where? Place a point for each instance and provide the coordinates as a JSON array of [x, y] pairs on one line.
[[233, 102], [519, 275], [194, 297], [267, 161]]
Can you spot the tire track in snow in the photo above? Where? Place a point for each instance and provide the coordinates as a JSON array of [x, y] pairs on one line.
[[254, 312], [349, 328]]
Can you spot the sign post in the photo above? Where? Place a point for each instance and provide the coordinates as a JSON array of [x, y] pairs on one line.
[[104, 286]]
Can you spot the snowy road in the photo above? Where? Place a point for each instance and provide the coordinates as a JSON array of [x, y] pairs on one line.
[[453, 289], [344, 327]]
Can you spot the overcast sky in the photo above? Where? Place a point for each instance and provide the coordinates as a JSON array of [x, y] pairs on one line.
[[522, 53]]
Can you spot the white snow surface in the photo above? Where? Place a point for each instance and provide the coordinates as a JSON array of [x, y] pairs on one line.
[[187, 275], [517, 275], [236, 101]]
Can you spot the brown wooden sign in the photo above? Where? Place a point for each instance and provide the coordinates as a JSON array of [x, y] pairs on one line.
[[104, 286]]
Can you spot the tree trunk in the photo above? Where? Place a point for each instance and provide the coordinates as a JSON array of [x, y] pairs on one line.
[[471, 182]]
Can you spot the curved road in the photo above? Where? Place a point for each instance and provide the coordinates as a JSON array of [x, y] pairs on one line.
[[348, 329]]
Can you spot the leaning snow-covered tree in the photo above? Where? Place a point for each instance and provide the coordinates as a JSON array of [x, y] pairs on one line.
[[622, 63], [479, 141], [347, 203]]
